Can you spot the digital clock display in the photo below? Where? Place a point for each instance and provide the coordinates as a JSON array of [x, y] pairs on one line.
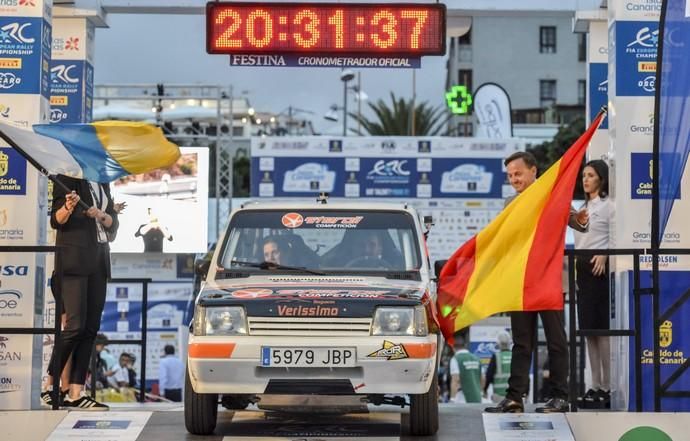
[[396, 29]]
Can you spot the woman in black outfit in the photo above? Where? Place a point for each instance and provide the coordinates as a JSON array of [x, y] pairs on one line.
[[593, 296], [83, 235]]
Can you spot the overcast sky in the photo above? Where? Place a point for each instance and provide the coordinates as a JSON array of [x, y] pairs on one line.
[[172, 49]]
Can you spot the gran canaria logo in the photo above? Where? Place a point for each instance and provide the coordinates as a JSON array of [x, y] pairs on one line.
[[666, 334]]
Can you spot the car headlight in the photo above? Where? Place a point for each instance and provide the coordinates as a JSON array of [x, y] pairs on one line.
[[396, 320], [220, 320]]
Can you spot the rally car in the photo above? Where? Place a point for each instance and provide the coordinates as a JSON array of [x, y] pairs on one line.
[[316, 307]]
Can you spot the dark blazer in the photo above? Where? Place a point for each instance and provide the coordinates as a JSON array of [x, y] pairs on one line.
[[78, 235]]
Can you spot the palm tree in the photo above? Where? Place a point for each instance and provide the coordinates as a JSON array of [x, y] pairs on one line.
[[395, 120]]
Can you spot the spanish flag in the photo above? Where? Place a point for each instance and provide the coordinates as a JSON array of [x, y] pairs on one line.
[[515, 263]]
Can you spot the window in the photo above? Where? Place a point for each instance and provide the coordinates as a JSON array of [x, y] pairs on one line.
[[547, 93], [466, 39], [547, 39], [582, 47], [464, 129], [377, 241], [465, 78], [581, 92]]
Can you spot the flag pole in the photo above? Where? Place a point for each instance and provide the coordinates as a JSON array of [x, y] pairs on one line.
[[655, 227], [39, 167]]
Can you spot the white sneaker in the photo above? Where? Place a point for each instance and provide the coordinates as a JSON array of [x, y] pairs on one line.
[[83, 402]]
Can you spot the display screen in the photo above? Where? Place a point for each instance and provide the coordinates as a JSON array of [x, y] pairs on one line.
[[364, 29]]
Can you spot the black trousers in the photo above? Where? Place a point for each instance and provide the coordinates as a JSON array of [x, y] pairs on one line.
[[524, 326], [173, 394], [83, 299]]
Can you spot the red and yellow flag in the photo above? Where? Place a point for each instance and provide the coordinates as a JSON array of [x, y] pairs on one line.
[[515, 263]]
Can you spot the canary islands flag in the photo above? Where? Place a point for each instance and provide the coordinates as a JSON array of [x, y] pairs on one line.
[[100, 152], [515, 263]]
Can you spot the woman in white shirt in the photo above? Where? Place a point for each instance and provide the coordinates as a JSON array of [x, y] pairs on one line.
[[593, 297]]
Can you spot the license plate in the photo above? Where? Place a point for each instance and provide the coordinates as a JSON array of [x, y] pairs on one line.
[[307, 357]]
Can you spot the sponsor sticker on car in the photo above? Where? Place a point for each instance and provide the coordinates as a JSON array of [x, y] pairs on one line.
[[390, 351]]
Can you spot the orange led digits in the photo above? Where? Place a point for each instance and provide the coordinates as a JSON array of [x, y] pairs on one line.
[[420, 19], [252, 28], [310, 25], [235, 20], [344, 29], [337, 21], [388, 34]]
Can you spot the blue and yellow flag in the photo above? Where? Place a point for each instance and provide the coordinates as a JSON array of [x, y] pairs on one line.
[[101, 152]]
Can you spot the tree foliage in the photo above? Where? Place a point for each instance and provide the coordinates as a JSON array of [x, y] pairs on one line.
[[549, 152], [394, 119]]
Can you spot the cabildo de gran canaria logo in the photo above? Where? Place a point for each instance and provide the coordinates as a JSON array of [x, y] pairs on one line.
[[666, 334], [667, 355], [4, 164]]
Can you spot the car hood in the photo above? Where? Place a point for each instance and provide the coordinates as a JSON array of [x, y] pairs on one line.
[[313, 300]]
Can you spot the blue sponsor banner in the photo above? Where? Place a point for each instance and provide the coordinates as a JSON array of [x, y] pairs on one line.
[[387, 177], [598, 90], [301, 176], [641, 175], [636, 51], [161, 315], [20, 54], [674, 341], [381, 177], [465, 178], [67, 91], [673, 95], [303, 60], [12, 172]]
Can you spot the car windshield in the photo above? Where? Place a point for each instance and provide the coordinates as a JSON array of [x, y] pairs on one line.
[[324, 240]]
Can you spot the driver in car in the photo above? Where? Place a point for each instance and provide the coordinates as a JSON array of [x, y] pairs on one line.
[[273, 251], [372, 253], [373, 248]]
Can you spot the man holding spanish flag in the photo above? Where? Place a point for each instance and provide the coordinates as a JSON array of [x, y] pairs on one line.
[[515, 265]]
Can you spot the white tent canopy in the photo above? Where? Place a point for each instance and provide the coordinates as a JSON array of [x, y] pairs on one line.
[[123, 112], [196, 113]]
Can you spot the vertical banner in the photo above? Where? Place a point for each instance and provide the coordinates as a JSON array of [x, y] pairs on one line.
[[674, 340], [25, 39], [71, 71], [634, 38], [493, 112], [673, 104], [598, 85]]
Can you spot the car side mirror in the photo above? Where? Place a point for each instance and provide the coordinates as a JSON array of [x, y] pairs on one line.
[[201, 267], [438, 266]]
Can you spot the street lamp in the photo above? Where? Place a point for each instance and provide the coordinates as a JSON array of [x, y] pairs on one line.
[[332, 114], [346, 76]]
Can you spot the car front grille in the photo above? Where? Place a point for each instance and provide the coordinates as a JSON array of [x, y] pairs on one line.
[[311, 327]]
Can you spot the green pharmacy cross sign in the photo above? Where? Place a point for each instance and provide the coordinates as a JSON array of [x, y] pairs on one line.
[[459, 100]]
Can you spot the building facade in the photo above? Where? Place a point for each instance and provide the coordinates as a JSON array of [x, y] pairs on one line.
[[535, 57]]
